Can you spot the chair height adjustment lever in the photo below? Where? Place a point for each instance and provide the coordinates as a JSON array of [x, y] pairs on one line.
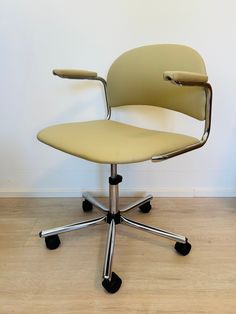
[[116, 180]]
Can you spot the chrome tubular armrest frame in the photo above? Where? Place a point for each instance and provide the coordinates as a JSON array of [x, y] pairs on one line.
[[208, 108], [104, 83]]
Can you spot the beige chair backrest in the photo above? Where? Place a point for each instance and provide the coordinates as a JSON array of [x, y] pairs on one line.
[[136, 78]]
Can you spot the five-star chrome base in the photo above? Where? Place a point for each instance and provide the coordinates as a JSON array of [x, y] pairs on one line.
[[113, 216]]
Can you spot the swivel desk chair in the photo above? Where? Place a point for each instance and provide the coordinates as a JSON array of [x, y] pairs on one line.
[[168, 76]]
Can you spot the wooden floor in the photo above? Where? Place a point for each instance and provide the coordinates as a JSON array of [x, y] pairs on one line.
[[155, 279]]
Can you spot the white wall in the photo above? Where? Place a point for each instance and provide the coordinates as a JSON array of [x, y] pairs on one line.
[[37, 36]]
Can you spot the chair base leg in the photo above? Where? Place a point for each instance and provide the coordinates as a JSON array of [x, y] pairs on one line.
[[137, 203], [157, 231], [71, 227], [95, 202]]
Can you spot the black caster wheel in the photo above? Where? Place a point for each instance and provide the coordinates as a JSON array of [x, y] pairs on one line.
[[112, 285], [145, 208], [183, 248], [87, 206], [52, 242]]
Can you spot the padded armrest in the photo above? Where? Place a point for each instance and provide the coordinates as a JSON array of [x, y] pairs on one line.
[[184, 77], [75, 74]]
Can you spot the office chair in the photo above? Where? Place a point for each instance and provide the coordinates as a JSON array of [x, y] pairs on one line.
[[168, 76]]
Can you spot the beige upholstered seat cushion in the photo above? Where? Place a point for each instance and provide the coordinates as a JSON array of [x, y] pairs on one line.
[[110, 142]]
